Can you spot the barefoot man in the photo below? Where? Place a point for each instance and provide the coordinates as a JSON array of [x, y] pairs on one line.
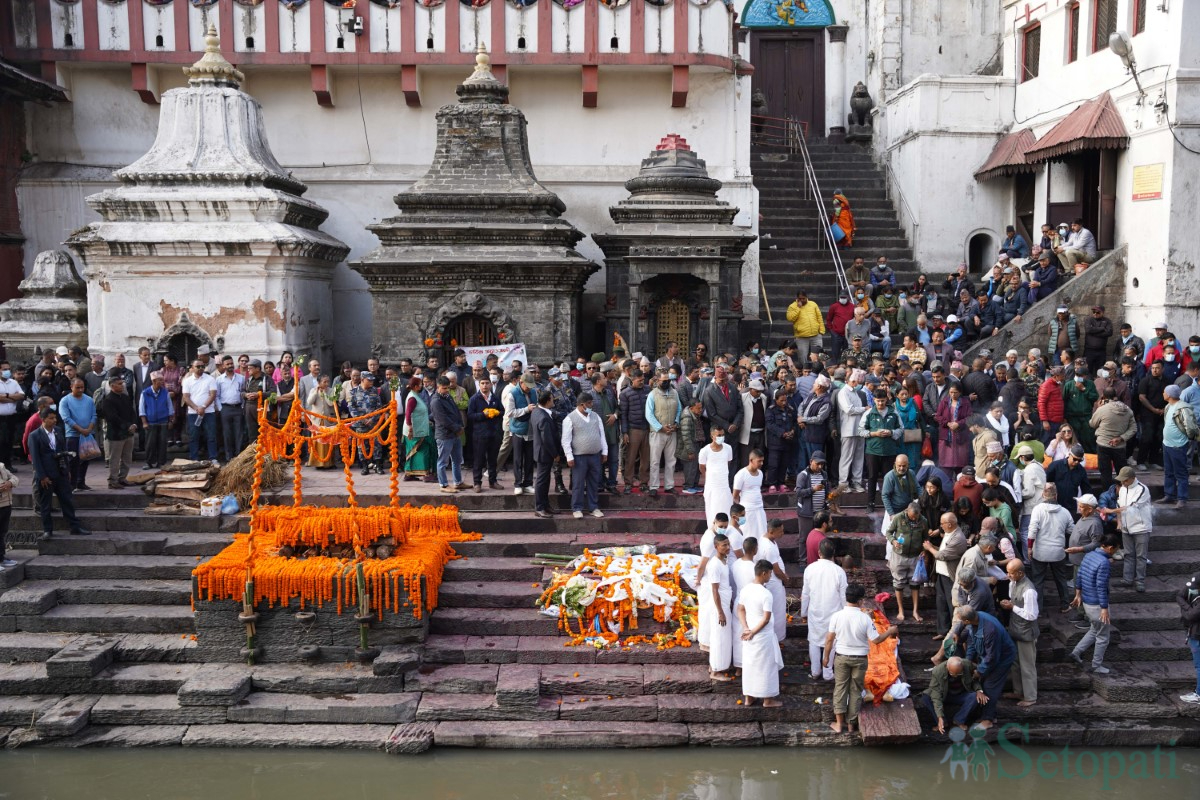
[[851, 634], [761, 657]]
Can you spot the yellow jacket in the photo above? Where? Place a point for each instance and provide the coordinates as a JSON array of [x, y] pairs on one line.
[[806, 320]]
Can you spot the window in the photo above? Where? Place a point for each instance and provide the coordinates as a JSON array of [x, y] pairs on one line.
[[1031, 51], [1104, 23], [1073, 33], [1139, 16]]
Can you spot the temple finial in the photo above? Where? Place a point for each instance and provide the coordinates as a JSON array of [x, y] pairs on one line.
[[212, 66]]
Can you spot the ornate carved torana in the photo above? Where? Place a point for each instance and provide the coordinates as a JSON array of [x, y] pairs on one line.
[[477, 235], [674, 242]]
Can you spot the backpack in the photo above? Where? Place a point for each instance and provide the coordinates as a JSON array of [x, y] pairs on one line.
[[1185, 420]]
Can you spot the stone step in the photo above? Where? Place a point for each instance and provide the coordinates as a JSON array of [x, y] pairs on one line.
[[153, 709], [1169, 562], [456, 649], [484, 621], [491, 595], [111, 567], [99, 498], [319, 679], [453, 679], [24, 711], [491, 569], [22, 679], [559, 734], [271, 707], [111, 618], [472, 707], [137, 543], [27, 646], [344, 737], [86, 592], [791, 202], [123, 520]]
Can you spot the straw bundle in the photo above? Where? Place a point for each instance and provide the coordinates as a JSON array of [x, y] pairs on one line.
[[237, 477]]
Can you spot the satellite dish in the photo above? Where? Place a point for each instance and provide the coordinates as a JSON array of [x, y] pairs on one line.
[[1120, 43]]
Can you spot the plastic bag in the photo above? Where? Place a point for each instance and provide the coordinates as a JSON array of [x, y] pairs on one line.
[[927, 447], [229, 505], [89, 449], [920, 572]]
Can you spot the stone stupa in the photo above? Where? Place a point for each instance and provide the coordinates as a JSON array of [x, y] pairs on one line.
[[51, 311], [479, 244], [207, 240]]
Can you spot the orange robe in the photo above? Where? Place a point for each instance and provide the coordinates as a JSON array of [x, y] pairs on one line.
[[882, 669]]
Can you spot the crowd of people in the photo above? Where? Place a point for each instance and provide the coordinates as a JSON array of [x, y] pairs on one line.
[[981, 468]]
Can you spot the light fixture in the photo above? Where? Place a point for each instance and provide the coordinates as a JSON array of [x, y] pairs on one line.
[[1120, 43]]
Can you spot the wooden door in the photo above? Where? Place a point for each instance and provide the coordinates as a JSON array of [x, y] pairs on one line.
[[1023, 207], [789, 68], [1106, 226], [469, 330], [674, 325]]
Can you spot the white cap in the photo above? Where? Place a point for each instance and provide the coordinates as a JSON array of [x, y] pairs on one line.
[[61, 350], [203, 350], [758, 385], [1087, 500], [951, 318], [1061, 310]]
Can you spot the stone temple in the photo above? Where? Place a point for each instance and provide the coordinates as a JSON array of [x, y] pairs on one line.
[[207, 240], [479, 253]]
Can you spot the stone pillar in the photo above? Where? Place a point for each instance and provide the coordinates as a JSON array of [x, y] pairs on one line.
[[714, 307], [635, 298], [836, 81]]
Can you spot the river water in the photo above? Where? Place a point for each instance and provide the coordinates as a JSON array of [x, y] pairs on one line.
[[914, 773]]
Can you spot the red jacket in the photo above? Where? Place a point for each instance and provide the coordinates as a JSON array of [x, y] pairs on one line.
[[1050, 402], [837, 316]]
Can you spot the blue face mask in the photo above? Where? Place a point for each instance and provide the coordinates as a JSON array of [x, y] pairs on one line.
[[741, 521], [754, 350], [6, 374]]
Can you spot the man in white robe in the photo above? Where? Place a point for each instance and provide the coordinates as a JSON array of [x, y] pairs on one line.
[[768, 550], [715, 618], [741, 573], [823, 596], [747, 491], [761, 657], [708, 550]]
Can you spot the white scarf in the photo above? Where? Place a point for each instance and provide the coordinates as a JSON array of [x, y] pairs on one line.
[[1001, 427]]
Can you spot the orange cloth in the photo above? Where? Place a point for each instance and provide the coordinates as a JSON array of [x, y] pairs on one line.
[[844, 219], [882, 669]]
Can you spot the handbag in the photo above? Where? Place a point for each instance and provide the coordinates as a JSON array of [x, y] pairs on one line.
[[89, 449], [913, 435]]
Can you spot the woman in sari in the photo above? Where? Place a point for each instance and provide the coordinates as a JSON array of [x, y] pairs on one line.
[[954, 440], [843, 218], [420, 455], [910, 420], [320, 452]]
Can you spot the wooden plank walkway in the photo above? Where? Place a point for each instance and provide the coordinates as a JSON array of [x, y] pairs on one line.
[[889, 723]]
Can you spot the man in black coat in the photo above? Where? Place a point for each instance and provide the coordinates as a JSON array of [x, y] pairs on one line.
[[447, 424], [51, 476], [545, 451], [485, 413]]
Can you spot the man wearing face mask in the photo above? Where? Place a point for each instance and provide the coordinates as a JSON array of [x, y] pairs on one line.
[[11, 397], [663, 413], [836, 318], [1151, 411]]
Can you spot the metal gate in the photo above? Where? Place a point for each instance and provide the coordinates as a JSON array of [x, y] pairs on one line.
[[469, 330], [674, 325]]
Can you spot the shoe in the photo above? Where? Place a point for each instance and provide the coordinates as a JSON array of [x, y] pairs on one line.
[[597, 513], [114, 485], [1125, 583], [1140, 589], [478, 489], [1191, 698], [459, 485], [527, 489], [1078, 659], [8, 563], [45, 537], [577, 514], [1142, 468], [1164, 500], [1100, 670], [637, 490], [1119, 555], [124, 482], [495, 486], [518, 490], [870, 508], [1083, 626], [560, 489], [81, 531], [450, 489], [1156, 467], [148, 467], [543, 514], [83, 488], [1179, 506], [693, 490], [365, 471], [653, 493]]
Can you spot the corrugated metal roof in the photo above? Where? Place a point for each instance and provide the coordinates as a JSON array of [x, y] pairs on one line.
[[1008, 156], [1095, 125]]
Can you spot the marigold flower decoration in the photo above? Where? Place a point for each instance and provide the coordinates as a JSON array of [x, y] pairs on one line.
[[429, 342]]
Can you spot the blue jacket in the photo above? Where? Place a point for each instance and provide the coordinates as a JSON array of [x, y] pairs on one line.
[[482, 426], [1093, 578], [447, 419], [156, 407], [989, 645]]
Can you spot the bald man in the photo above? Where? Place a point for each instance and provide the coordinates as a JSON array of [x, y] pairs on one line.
[[953, 683]]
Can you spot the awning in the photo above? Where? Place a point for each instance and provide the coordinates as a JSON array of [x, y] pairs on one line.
[[1095, 125], [17, 82], [1008, 156]]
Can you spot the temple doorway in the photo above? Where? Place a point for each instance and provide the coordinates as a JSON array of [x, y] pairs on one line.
[[467, 330]]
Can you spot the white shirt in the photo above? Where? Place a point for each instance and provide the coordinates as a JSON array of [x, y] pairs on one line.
[[750, 488], [852, 629], [200, 388], [229, 390], [824, 592], [50, 436], [9, 387], [1030, 610], [769, 551]]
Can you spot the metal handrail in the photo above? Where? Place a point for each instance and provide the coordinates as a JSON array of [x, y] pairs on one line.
[[893, 187], [822, 220]]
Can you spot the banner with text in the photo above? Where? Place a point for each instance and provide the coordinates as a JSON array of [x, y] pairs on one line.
[[506, 353]]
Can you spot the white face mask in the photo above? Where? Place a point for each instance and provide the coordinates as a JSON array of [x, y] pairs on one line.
[[720, 440]]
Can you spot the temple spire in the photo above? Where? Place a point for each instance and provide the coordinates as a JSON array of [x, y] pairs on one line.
[[212, 68]]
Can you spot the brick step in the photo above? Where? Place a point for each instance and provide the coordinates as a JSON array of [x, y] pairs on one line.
[[296, 708], [110, 567], [488, 594], [23, 679], [111, 618], [140, 592], [491, 569], [137, 543], [128, 520]]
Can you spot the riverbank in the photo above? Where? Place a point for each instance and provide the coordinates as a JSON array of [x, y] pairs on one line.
[[97, 635]]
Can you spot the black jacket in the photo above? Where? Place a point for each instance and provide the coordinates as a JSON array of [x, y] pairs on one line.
[[1189, 611], [483, 427], [117, 412], [545, 442], [46, 459], [447, 419]]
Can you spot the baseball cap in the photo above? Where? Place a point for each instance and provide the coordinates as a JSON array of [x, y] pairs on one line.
[[818, 456], [254, 362], [952, 318], [1024, 450], [1060, 310], [61, 350], [1126, 474], [1077, 450], [1087, 500], [555, 372], [758, 385], [528, 379], [968, 470]]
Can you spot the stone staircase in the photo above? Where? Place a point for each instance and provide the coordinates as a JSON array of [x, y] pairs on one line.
[[96, 649], [790, 222]]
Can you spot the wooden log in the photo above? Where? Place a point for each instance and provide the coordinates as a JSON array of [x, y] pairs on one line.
[[182, 494]]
